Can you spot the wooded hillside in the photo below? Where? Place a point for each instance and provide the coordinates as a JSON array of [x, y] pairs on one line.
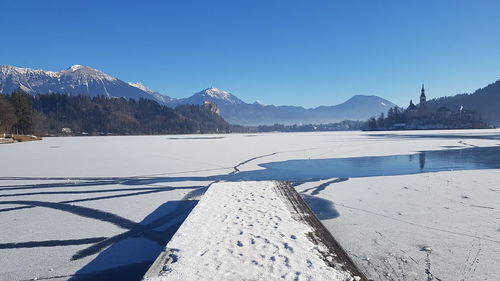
[[48, 114]]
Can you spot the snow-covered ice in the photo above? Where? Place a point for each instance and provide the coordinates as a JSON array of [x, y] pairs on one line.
[[103, 205], [442, 226]]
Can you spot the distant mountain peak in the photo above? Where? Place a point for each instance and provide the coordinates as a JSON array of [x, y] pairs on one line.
[[218, 95], [371, 99], [76, 67], [363, 96], [86, 72]]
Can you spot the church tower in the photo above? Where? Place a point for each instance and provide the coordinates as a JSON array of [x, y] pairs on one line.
[[423, 98], [422, 107]]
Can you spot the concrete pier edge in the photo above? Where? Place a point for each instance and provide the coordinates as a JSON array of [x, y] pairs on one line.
[[335, 256], [321, 235]]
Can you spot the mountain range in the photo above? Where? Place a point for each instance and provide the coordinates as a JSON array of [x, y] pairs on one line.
[[235, 111], [79, 79]]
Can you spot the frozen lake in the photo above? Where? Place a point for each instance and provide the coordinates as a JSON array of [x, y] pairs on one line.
[[405, 205]]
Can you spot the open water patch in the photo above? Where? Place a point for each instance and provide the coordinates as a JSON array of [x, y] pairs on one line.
[[306, 170], [474, 158]]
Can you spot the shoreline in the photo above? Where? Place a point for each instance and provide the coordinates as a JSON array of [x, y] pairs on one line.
[[12, 138]]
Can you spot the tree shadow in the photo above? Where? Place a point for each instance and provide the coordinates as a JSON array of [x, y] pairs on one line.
[[128, 255], [131, 253]]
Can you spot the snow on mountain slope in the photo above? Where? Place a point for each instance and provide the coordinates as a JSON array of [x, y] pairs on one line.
[[219, 94], [214, 95], [156, 95], [84, 74], [139, 85], [77, 79]]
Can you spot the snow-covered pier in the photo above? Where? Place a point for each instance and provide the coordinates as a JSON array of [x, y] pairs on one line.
[[252, 231]]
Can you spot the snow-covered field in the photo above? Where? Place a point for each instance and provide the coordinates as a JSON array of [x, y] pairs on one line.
[[91, 207]]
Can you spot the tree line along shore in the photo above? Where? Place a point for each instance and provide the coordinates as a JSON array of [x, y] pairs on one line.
[[61, 114]]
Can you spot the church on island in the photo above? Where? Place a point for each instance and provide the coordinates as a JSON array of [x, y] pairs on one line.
[[414, 111], [443, 117], [423, 116]]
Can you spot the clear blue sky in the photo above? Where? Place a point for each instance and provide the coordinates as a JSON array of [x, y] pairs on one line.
[[279, 52]]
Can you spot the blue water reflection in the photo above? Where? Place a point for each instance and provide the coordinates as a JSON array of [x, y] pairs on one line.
[[422, 162]]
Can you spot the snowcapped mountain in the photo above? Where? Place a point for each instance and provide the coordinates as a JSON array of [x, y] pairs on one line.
[[236, 111], [220, 97], [77, 79]]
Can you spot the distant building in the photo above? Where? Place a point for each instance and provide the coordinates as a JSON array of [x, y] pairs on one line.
[[422, 107], [444, 113], [420, 116], [66, 131], [211, 106], [412, 110], [419, 111], [422, 111]]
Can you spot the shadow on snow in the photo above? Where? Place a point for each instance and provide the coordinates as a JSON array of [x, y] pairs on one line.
[[128, 255]]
